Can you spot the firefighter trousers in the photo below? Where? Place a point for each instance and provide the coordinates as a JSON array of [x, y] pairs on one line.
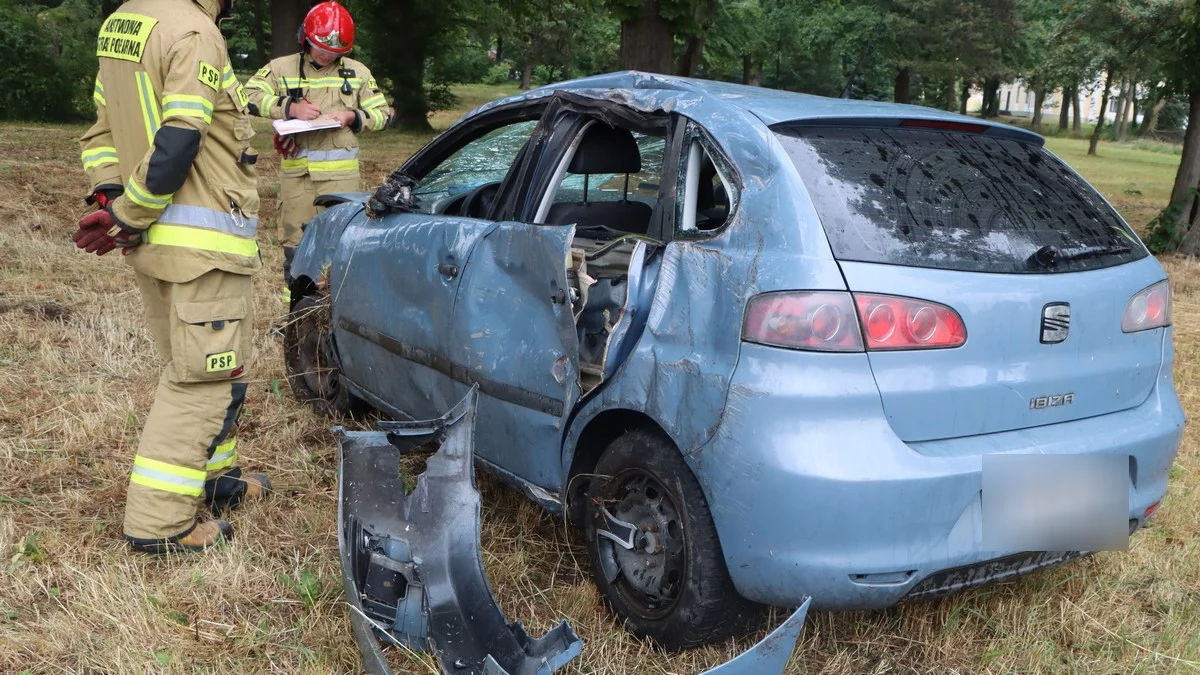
[[297, 194], [203, 330]]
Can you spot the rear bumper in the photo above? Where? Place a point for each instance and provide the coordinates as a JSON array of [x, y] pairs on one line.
[[814, 494]]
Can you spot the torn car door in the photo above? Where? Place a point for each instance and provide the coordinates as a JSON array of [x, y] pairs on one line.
[[411, 563], [393, 283], [514, 336]]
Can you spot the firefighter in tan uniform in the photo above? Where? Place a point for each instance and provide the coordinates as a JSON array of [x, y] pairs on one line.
[[320, 81], [173, 174]]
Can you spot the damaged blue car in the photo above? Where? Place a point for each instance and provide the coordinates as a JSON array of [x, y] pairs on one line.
[[756, 344]]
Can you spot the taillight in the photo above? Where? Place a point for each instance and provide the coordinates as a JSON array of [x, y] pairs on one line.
[[1149, 308], [830, 321], [891, 322], [812, 320]]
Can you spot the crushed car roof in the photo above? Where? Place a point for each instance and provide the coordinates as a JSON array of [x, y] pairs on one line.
[[772, 106]]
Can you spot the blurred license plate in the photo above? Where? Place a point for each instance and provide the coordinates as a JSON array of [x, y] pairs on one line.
[[1055, 502]]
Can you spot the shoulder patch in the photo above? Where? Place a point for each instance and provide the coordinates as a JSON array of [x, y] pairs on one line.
[[124, 35], [371, 84], [263, 72], [210, 76]]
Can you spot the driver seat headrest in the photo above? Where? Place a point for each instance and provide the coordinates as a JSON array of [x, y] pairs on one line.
[[606, 149]]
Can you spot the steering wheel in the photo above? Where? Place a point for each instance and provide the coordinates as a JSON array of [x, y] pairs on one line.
[[478, 199]]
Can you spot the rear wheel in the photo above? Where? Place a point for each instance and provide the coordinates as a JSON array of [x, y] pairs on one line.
[[655, 554], [311, 363]]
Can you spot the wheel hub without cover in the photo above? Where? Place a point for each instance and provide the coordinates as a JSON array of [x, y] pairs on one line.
[[643, 533]]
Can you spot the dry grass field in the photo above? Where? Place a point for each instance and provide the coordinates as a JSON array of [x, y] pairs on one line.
[[77, 373]]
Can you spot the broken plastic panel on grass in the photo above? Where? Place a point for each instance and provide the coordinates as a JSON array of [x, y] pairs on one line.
[[412, 565]]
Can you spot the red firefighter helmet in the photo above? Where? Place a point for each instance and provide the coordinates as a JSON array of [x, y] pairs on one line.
[[328, 26]]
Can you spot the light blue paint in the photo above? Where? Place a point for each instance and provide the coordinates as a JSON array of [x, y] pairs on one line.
[[847, 477]]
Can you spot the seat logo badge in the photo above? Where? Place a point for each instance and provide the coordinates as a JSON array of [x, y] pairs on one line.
[[1056, 322]]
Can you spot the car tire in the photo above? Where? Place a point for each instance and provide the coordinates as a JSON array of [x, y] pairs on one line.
[[643, 480], [311, 363]]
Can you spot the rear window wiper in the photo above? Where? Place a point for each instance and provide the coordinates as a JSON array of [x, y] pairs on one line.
[[1048, 256]]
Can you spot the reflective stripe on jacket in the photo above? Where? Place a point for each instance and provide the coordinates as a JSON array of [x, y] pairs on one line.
[[172, 128], [345, 84]]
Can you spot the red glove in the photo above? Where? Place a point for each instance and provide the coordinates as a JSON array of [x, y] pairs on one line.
[[100, 233], [92, 235], [285, 146]]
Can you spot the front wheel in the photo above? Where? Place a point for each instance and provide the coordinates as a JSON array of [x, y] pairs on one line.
[[655, 554], [311, 363]]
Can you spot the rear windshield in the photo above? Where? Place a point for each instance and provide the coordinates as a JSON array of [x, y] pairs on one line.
[[954, 200]]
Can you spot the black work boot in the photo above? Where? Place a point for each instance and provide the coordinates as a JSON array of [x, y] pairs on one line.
[[233, 489], [199, 537]]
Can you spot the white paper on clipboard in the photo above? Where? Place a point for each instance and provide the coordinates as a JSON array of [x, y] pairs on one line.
[[289, 127]]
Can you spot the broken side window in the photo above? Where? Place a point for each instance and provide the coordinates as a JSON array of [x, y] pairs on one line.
[[709, 193]]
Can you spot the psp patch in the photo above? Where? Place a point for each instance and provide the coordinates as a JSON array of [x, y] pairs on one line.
[[209, 76], [219, 363], [124, 35], [263, 72], [371, 84], [242, 98]]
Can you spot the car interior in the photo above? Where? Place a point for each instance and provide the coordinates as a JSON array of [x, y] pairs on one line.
[[607, 186], [603, 150]]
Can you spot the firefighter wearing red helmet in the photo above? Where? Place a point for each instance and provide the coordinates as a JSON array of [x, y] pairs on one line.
[[319, 82]]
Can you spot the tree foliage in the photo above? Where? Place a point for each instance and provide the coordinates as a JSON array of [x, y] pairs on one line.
[[50, 67]]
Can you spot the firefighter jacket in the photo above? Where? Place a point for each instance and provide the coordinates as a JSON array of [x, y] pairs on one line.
[[345, 84], [172, 127]]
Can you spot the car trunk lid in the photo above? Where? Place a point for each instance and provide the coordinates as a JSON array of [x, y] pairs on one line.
[[987, 222], [1005, 377]]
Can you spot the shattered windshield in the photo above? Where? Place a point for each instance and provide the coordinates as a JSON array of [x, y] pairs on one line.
[[953, 200], [484, 160]]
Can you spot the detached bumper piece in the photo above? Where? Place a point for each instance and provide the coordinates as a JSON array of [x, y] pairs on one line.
[[411, 565], [771, 654]]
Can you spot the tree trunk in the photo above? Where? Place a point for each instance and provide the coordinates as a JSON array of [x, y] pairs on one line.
[[1064, 114], [499, 49], [1076, 122], [1039, 100], [526, 73], [1133, 122], [751, 71], [1117, 110], [991, 97], [1123, 110], [903, 86], [1187, 180], [949, 99], [689, 62], [1151, 124], [261, 45], [286, 17], [964, 97], [1103, 110], [647, 41]]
